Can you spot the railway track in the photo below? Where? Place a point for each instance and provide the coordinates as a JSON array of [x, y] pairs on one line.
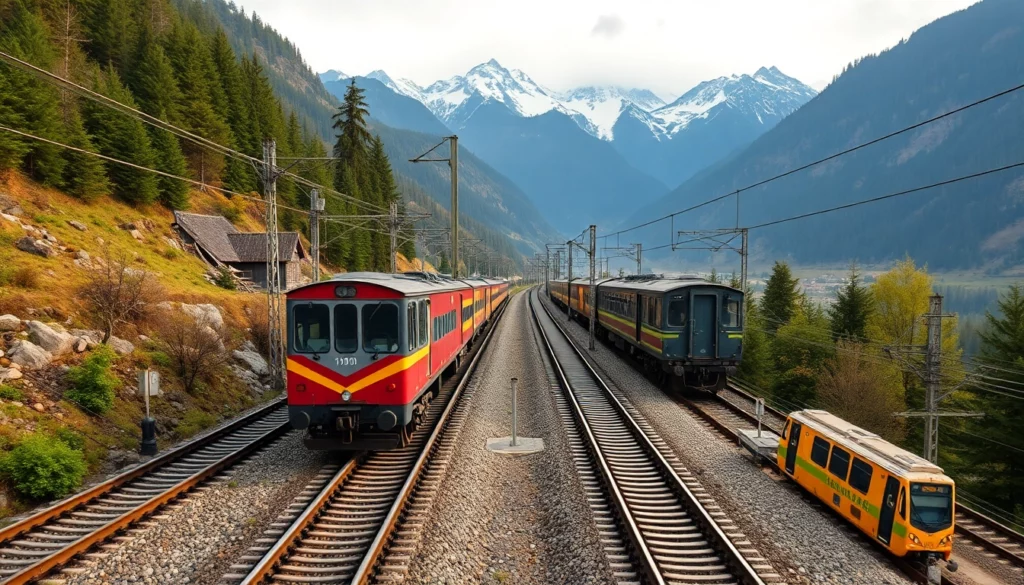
[[39, 544], [734, 407], [356, 527], [674, 538]]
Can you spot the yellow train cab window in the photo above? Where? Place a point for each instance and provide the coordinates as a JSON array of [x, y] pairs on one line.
[[819, 452], [839, 463], [860, 475]]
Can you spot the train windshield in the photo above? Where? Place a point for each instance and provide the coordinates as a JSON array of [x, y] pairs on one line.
[[931, 506], [346, 332], [677, 312], [380, 328], [312, 332]]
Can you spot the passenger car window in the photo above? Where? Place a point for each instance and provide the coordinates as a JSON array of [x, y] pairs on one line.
[[380, 328], [839, 463], [312, 333], [424, 322], [676, 313], [860, 476], [819, 451], [731, 313], [346, 331], [411, 326]]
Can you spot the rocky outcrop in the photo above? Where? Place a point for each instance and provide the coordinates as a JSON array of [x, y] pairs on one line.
[[31, 245], [7, 374], [9, 323], [208, 313], [120, 346], [249, 358], [29, 355], [77, 225], [51, 337]]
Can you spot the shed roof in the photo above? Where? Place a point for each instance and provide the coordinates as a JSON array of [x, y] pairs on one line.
[[219, 238]]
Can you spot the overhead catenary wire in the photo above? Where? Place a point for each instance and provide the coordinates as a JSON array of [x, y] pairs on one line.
[[161, 124], [819, 161]]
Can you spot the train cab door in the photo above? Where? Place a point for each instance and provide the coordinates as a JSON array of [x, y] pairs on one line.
[[641, 310], [888, 513], [703, 327], [794, 441]]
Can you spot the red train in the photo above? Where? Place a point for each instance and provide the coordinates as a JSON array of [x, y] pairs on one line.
[[367, 352]]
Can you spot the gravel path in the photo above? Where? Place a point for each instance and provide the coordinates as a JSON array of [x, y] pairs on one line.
[[195, 540], [793, 535], [502, 519]]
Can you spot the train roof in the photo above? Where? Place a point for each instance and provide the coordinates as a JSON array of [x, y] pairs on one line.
[[868, 445], [409, 283], [652, 282]]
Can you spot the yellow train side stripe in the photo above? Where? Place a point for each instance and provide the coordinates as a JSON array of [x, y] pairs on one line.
[[644, 328]]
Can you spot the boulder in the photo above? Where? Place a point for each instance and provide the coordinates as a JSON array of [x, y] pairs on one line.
[[37, 247], [92, 338], [81, 344], [251, 360], [7, 374], [77, 225], [82, 255], [9, 323], [29, 355], [120, 346], [38, 406], [207, 312], [136, 234], [172, 243], [52, 338], [15, 210]]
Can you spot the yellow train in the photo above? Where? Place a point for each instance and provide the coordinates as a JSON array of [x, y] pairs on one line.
[[899, 499]]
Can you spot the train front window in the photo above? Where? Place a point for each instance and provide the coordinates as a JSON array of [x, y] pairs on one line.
[[731, 313], [346, 328], [380, 328], [312, 332], [931, 506], [677, 312]]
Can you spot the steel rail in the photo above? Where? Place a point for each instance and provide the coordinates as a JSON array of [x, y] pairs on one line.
[[49, 520], [739, 566]]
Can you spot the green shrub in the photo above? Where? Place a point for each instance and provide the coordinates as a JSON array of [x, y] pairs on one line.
[[92, 383], [193, 422], [229, 211], [160, 358], [171, 254], [224, 279], [71, 438], [11, 393], [41, 468]]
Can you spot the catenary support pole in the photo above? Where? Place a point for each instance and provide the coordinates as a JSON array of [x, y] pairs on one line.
[[276, 350], [593, 283]]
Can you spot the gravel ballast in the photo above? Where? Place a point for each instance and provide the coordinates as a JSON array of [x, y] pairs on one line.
[[795, 536], [502, 518], [195, 539]]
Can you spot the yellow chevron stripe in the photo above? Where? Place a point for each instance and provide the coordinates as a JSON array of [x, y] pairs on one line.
[[390, 370], [467, 324], [467, 303], [735, 336]]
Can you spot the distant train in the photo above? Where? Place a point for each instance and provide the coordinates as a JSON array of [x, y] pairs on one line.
[[366, 352], [685, 330], [895, 497]]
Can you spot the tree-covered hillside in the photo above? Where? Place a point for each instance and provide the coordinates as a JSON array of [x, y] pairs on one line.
[[954, 61]]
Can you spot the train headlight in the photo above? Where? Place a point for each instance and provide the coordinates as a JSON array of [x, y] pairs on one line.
[[946, 540], [914, 539], [346, 395], [344, 292]]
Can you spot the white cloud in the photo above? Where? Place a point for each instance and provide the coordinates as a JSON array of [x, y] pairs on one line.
[[609, 25], [672, 44]]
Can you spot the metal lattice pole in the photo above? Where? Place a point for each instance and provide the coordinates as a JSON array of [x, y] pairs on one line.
[[932, 379], [276, 357], [593, 283], [569, 280], [393, 228], [316, 205]]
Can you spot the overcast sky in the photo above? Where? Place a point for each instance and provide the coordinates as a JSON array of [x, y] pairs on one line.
[[663, 45]]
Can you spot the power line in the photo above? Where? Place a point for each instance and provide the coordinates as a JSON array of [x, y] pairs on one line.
[[890, 195], [166, 126], [825, 159]]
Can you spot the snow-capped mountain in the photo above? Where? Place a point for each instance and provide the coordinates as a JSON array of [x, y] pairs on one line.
[[602, 106], [768, 95], [332, 75]]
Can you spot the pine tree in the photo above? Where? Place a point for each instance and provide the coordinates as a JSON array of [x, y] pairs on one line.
[[152, 81], [12, 148], [85, 176], [124, 138], [33, 105], [780, 297], [996, 456], [169, 159], [715, 277], [353, 172], [112, 31], [849, 315]]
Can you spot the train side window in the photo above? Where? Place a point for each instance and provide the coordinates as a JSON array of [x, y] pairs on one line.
[[839, 463], [412, 328], [312, 332], [346, 332], [731, 313], [860, 475], [676, 313], [903, 503], [785, 432], [423, 322], [819, 451]]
